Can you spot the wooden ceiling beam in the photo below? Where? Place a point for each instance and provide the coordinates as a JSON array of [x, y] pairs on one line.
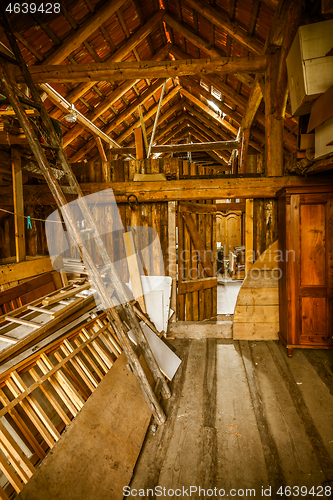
[[224, 135], [116, 94], [203, 44], [184, 148], [169, 126], [208, 133], [189, 189], [209, 97], [183, 125], [123, 115], [236, 98], [121, 52], [62, 104], [224, 123], [151, 112], [142, 69], [212, 154], [217, 17], [74, 40], [173, 109]]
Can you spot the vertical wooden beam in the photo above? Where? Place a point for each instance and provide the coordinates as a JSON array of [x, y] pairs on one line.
[[100, 148], [248, 234], [140, 153], [134, 272], [274, 126], [243, 148], [294, 17], [18, 205]]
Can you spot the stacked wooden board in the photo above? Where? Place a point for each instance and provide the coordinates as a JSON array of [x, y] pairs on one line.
[[256, 314]]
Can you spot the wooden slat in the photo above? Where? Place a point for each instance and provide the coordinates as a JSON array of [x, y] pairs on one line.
[[196, 208], [248, 234], [30, 413], [58, 388], [53, 401], [20, 321], [65, 295], [18, 205], [21, 424], [36, 406], [22, 270], [23, 465], [10, 474], [198, 243], [196, 285]]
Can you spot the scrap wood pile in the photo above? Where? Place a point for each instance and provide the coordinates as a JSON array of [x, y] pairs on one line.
[[55, 351]]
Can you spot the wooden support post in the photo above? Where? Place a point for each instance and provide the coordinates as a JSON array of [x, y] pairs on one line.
[[248, 234], [18, 206], [100, 148], [139, 146], [134, 272], [274, 126], [244, 146], [172, 258]]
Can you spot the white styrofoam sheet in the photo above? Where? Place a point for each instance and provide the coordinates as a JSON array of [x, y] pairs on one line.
[[166, 359]]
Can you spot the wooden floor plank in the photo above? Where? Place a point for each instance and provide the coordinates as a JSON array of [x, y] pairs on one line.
[[182, 459], [296, 455], [241, 462], [312, 401], [148, 468]]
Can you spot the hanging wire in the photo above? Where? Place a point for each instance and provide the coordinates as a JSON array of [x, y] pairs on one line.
[[28, 216]]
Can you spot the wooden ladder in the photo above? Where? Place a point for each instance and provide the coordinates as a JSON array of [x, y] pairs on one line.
[[59, 195]]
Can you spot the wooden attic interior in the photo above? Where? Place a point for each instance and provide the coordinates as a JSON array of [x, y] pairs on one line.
[[185, 110]]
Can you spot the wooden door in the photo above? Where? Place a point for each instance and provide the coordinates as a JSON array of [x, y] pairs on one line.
[[197, 282], [314, 283], [229, 230]]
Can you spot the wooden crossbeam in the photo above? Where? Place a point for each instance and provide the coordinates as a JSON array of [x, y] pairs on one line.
[[183, 148], [142, 69], [119, 55], [190, 189]]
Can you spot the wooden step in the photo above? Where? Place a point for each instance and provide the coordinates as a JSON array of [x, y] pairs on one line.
[[200, 330]]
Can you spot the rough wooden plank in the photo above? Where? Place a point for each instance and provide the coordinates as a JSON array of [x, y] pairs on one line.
[[18, 206], [22, 270], [257, 314], [248, 234], [268, 442], [200, 330], [146, 69], [182, 458], [196, 285], [298, 461], [307, 399], [238, 438], [198, 243], [258, 296], [109, 452], [187, 189], [255, 331]]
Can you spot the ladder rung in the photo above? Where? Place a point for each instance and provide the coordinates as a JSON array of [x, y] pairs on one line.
[[32, 324], [10, 340], [69, 190], [40, 309]]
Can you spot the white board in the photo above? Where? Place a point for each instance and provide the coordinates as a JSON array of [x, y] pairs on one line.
[[166, 359]]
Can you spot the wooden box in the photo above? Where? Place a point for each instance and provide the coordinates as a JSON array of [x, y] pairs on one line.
[[310, 70], [306, 267]]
